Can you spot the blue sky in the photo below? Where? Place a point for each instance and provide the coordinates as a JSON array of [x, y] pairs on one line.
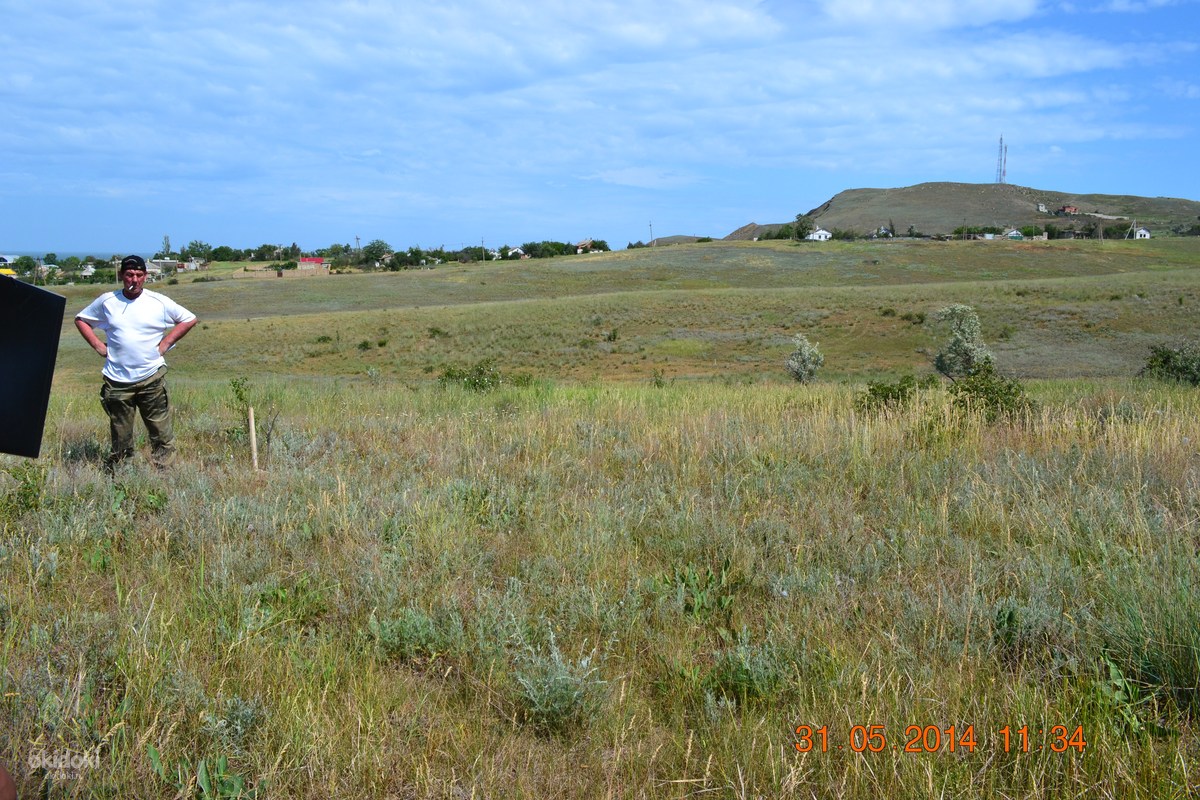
[[460, 121]]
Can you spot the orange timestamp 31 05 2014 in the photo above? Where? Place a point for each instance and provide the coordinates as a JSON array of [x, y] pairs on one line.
[[935, 739]]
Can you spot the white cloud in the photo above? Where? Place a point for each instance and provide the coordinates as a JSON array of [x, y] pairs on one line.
[[928, 13], [644, 178], [1179, 89], [1137, 6]]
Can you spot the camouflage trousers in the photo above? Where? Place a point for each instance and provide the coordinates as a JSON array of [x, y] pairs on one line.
[[123, 401]]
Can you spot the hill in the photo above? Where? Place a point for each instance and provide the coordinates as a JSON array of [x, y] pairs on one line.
[[728, 309], [939, 208]]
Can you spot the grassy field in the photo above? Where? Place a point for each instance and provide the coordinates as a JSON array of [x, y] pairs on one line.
[[640, 571], [1050, 309]]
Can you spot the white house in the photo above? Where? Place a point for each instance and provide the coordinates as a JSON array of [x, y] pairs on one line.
[[1142, 233], [819, 235]]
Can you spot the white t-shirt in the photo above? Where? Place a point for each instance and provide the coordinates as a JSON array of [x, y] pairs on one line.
[[134, 328]]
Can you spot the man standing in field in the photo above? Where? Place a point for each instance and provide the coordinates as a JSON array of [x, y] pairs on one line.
[[140, 326]]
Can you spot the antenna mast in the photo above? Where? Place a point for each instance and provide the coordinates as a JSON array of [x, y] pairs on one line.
[[1002, 162]]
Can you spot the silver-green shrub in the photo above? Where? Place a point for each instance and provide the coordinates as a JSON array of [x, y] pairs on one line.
[[965, 353], [805, 360], [556, 694]]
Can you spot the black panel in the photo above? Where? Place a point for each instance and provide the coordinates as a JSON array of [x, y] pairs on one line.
[[30, 324]]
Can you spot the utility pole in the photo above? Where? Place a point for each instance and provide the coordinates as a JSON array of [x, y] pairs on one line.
[[652, 234]]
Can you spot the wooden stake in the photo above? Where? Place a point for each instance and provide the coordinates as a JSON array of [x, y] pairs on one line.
[[253, 440]]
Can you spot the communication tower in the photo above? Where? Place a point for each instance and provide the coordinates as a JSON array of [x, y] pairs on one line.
[[1002, 162]]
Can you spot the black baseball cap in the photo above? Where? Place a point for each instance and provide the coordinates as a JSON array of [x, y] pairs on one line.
[[132, 262]]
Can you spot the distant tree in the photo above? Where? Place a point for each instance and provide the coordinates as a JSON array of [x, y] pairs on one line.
[[803, 226], [50, 258], [1031, 231], [197, 249], [374, 251], [166, 248], [600, 244], [265, 252], [784, 232], [977, 229], [25, 264], [469, 254], [225, 253], [635, 245], [333, 251], [548, 249], [965, 353], [70, 263]]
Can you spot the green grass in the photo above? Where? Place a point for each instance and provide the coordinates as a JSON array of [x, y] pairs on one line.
[[1047, 310], [601, 584]]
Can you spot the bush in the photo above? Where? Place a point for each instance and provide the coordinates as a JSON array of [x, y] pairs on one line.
[[1180, 363], [965, 353], [412, 634], [556, 695], [805, 360], [990, 393], [483, 377], [881, 395], [747, 672]]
